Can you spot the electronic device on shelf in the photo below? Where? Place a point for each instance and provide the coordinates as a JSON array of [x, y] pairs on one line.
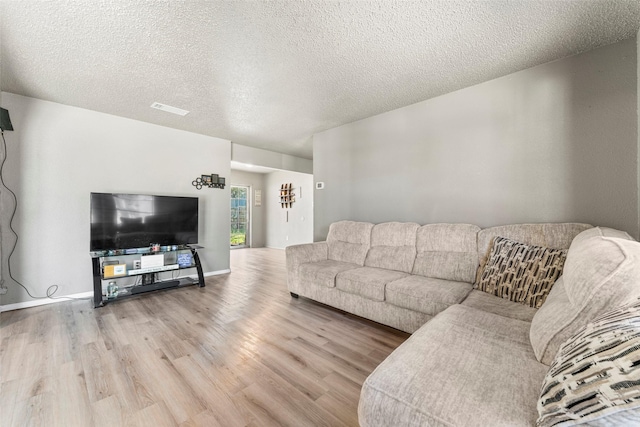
[[122, 222], [155, 286], [108, 268], [154, 231]]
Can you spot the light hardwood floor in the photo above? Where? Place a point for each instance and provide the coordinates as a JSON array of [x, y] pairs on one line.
[[238, 352]]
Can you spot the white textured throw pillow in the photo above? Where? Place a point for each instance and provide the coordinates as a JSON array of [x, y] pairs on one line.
[[595, 377]]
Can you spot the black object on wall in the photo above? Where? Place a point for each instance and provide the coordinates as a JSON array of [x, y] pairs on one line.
[[5, 120], [127, 221], [210, 181]]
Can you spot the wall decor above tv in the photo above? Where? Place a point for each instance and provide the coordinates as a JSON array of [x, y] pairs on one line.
[[210, 181], [123, 221]]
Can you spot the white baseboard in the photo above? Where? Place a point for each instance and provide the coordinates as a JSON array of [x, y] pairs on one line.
[[44, 301], [211, 273], [89, 295], [216, 273]]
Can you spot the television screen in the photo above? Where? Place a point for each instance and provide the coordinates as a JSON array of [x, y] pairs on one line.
[[126, 221]]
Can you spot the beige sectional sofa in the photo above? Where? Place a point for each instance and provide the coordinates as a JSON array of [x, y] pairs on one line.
[[474, 359]]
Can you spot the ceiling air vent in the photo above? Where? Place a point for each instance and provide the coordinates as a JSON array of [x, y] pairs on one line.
[[169, 109]]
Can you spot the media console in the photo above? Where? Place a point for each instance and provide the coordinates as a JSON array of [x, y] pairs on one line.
[[126, 261]]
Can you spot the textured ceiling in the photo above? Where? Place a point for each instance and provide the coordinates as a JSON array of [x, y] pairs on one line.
[[271, 74]]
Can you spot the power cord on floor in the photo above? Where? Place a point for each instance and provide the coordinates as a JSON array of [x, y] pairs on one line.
[[51, 290]]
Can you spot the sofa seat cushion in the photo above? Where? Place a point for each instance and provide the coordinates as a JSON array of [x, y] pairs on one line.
[[425, 294], [465, 367], [368, 282], [324, 272], [496, 305]]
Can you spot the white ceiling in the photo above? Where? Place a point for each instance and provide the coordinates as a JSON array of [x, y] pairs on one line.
[[271, 74]]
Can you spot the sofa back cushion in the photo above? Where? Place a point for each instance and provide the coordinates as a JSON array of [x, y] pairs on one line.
[[447, 251], [348, 241], [602, 272], [555, 236], [393, 246]]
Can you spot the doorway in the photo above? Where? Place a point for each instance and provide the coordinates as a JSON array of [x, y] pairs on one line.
[[240, 216]]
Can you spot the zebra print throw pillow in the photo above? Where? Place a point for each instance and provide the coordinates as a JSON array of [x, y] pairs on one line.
[[521, 273], [595, 377]]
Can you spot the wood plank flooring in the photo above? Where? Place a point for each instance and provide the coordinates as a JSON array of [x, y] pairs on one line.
[[239, 352]]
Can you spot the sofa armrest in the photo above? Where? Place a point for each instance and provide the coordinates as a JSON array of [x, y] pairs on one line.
[[300, 254]]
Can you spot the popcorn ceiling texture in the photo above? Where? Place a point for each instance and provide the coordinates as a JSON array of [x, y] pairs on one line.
[[271, 74]]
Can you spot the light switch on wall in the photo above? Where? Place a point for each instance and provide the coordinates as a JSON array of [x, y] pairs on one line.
[[319, 185]]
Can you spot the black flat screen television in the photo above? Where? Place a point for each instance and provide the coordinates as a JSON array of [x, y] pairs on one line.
[[127, 221]]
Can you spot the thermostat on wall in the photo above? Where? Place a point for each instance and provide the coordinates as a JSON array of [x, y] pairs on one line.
[[319, 185]]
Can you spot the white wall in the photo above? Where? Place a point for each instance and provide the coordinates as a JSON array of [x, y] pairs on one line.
[[258, 216], [299, 228], [4, 196], [554, 143], [270, 159], [59, 154], [1, 61]]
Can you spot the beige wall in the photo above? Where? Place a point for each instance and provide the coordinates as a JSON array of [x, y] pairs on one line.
[[558, 142]]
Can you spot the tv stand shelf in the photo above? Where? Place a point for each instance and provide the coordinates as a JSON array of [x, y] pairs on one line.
[[98, 260]]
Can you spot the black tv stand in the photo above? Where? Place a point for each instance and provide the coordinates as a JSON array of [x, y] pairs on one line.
[[149, 283], [155, 286]]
